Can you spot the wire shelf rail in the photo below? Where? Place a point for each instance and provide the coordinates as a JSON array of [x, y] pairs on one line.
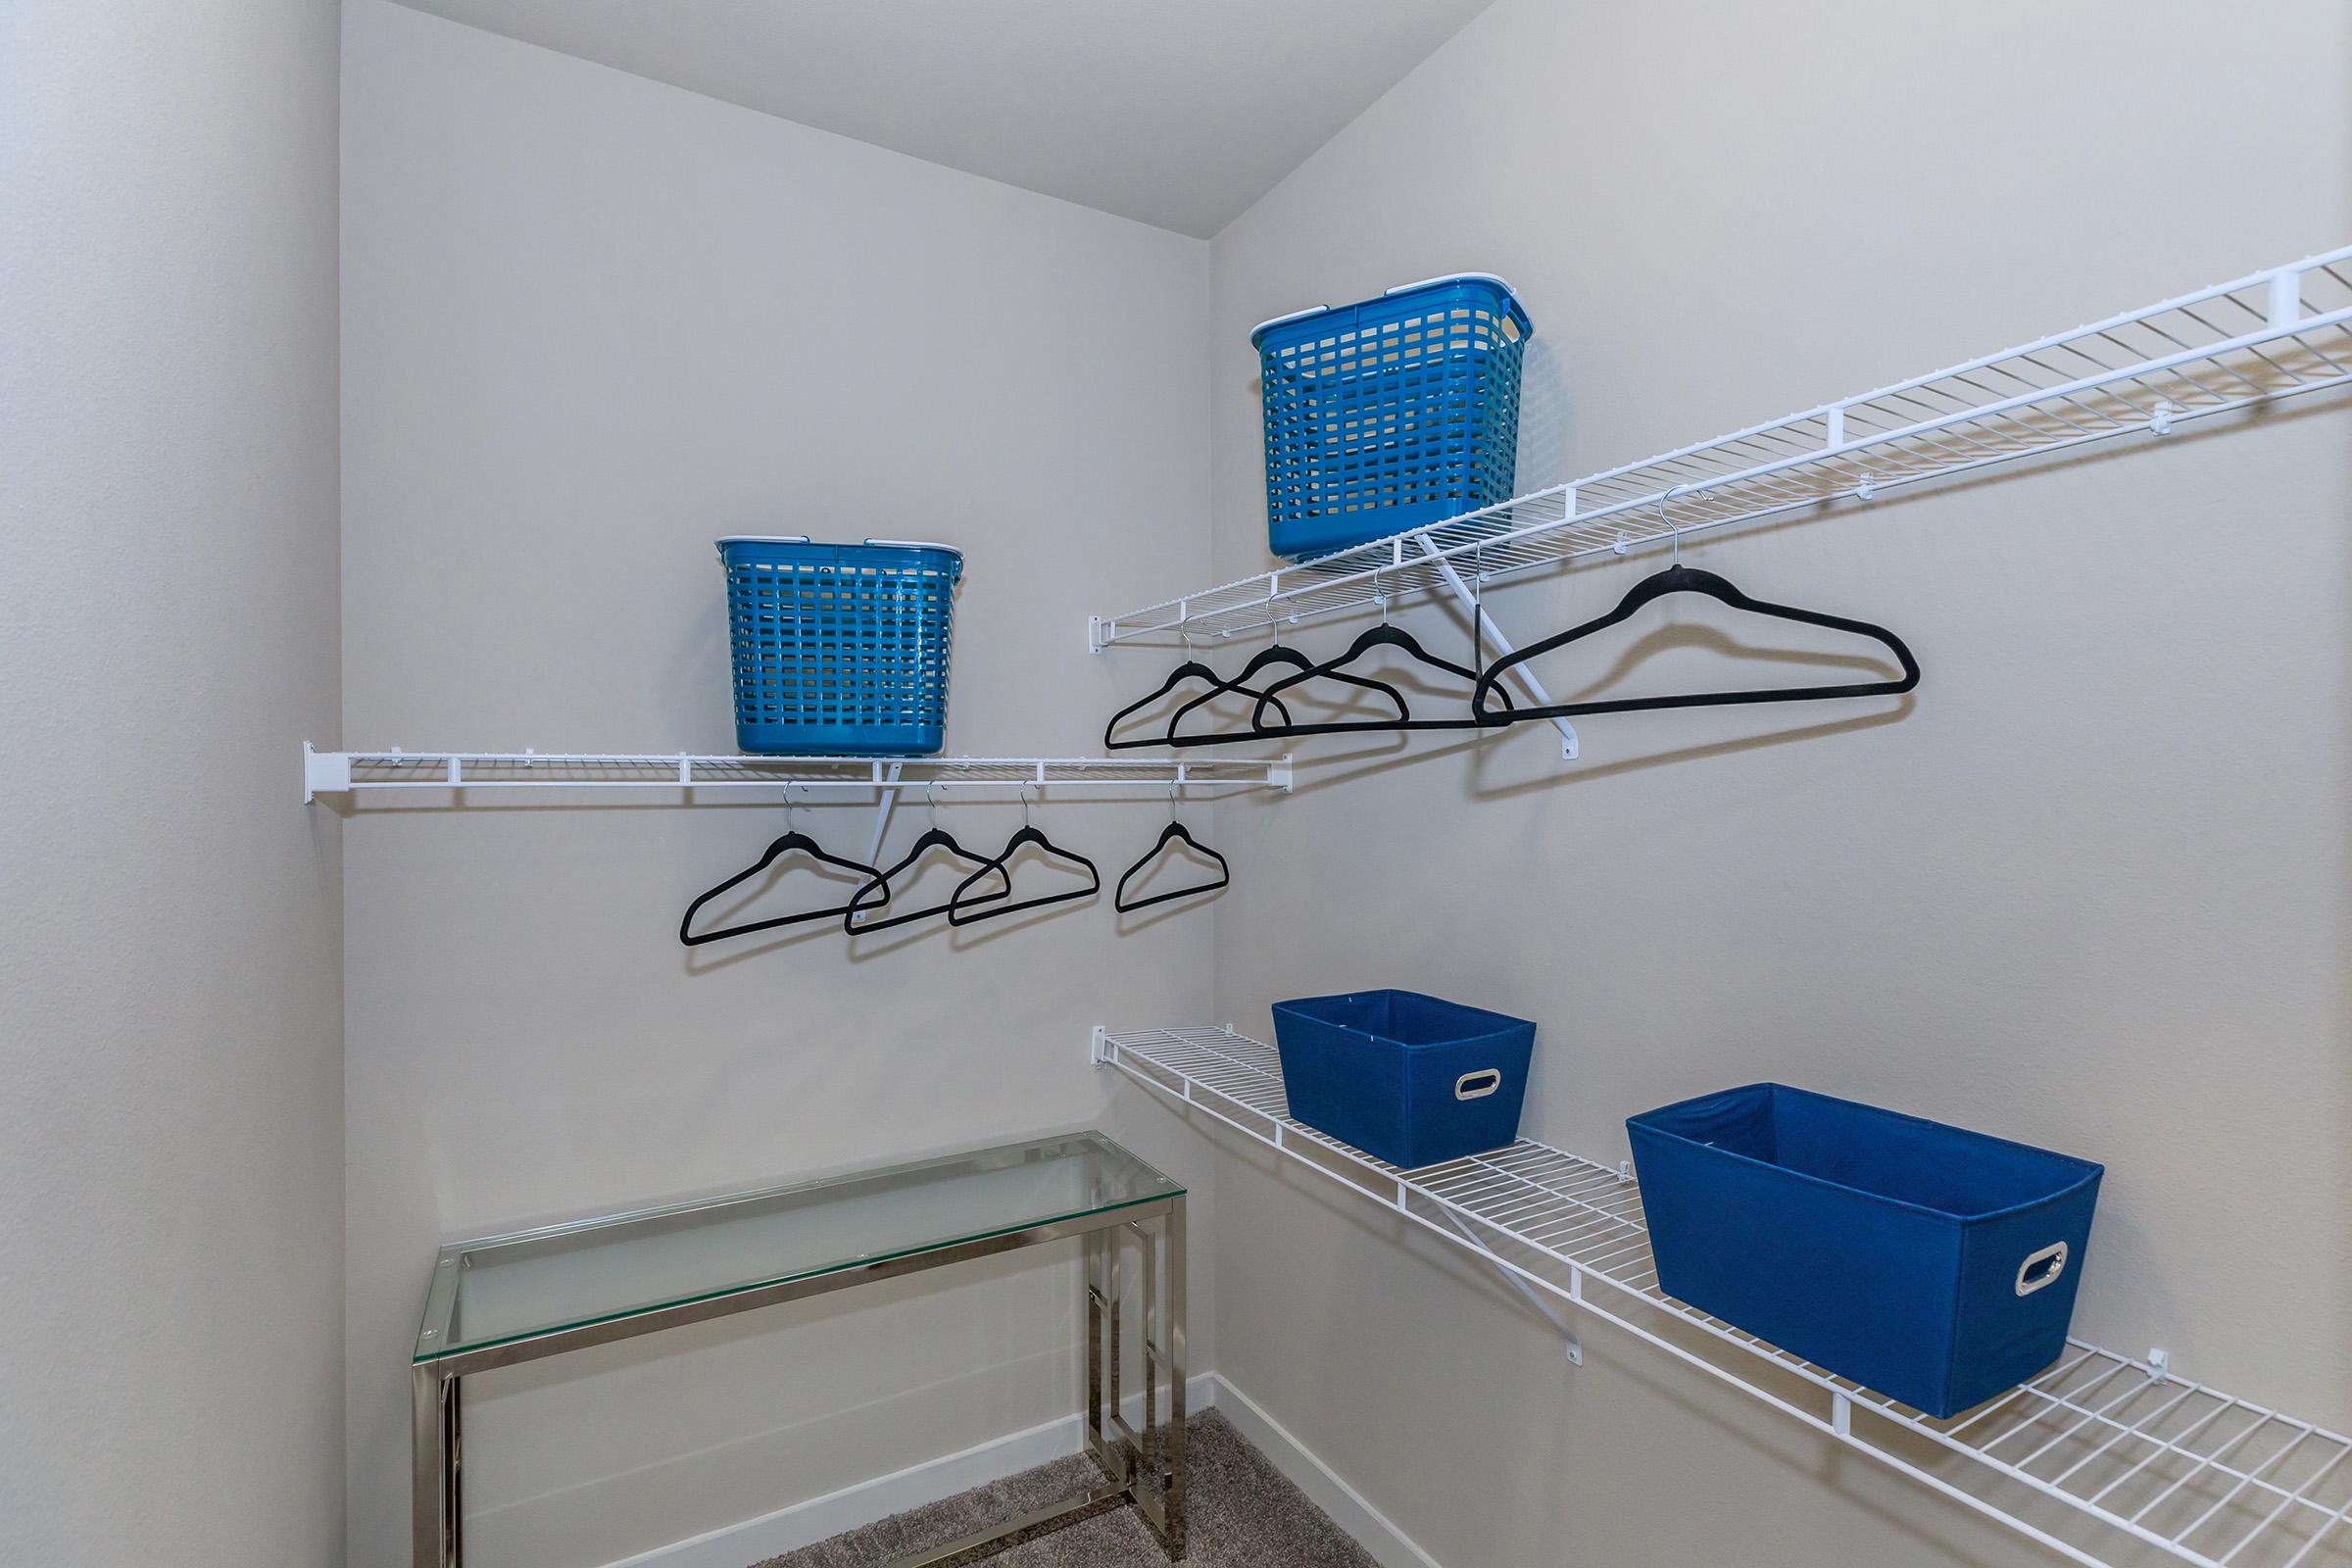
[[2109, 1461], [325, 772], [2273, 334]]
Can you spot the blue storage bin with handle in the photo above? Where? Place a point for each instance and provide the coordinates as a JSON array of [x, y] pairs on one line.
[[1391, 413], [839, 650], [1407, 1078], [1933, 1264]]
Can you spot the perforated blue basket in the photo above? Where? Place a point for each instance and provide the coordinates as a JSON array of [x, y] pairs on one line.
[[839, 650], [1390, 414]]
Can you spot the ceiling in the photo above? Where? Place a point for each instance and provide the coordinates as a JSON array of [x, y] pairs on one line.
[[1178, 113]]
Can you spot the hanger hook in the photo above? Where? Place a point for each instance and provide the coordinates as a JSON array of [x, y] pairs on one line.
[[931, 801], [1668, 520], [787, 808], [1025, 806], [1478, 607]]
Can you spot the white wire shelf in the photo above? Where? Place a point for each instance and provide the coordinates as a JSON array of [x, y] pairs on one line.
[[335, 772], [2106, 1459], [2269, 335]]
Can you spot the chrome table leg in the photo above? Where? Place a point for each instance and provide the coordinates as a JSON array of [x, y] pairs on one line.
[[1178, 1473], [1099, 1304], [1165, 1457], [436, 1499]]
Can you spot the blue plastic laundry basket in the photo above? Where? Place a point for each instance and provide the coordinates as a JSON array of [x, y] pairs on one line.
[[1934, 1264], [1392, 413], [1407, 1078], [839, 650]]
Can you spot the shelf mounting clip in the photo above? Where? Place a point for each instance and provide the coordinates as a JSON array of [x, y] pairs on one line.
[[323, 772]]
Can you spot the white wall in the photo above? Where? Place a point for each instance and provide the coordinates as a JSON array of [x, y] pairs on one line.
[[590, 324], [2086, 890], [170, 1135]]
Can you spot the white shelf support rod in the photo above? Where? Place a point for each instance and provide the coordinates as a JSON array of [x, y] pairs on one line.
[[1526, 677], [890, 798], [1575, 1347]]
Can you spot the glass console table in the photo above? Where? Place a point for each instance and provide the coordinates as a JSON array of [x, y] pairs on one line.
[[508, 1299]]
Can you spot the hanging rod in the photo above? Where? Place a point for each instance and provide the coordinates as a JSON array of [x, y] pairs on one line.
[[2272, 334], [336, 773]]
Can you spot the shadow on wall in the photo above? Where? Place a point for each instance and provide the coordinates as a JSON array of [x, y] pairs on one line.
[[1544, 416]]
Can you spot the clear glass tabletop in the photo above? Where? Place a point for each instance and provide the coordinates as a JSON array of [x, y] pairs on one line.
[[507, 1288]]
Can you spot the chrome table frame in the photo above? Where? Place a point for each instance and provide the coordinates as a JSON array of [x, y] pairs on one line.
[[1146, 1468]]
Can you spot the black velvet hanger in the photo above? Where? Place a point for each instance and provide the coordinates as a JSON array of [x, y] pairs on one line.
[[959, 912], [1381, 636], [794, 840], [1190, 670], [1681, 579], [1265, 658], [934, 838], [1174, 832]]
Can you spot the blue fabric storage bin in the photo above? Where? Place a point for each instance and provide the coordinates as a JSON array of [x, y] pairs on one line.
[[1934, 1264], [1407, 1078], [839, 650], [1391, 413]]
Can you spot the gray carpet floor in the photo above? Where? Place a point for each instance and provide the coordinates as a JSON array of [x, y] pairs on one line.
[[1243, 1515]]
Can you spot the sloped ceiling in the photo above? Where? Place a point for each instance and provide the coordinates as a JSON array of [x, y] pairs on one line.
[[1178, 113]]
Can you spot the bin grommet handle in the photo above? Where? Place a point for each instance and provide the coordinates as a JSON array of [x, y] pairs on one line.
[[1478, 1085], [2040, 1268]]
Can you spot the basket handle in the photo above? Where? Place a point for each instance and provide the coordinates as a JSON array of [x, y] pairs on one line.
[[759, 539], [1502, 284], [1516, 312], [2042, 1268], [1478, 1085], [1295, 316]]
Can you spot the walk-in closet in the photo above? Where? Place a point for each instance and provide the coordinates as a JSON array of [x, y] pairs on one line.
[[1408, 784]]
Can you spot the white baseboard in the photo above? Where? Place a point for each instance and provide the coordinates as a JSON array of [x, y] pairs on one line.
[[1389, 1545], [738, 1546]]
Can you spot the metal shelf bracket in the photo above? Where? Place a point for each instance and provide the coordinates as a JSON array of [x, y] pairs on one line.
[[1571, 1346], [2284, 332], [323, 771], [853, 780], [1470, 600], [2168, 1465]]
